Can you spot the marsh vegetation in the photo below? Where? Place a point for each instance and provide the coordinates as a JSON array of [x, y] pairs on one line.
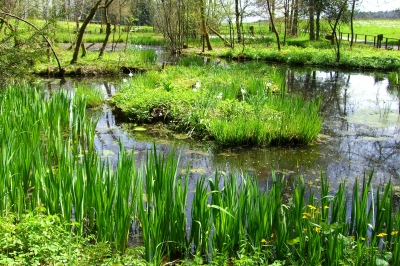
[[58, 172]]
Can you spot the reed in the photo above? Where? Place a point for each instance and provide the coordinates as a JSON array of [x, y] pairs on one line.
[[48, 159]]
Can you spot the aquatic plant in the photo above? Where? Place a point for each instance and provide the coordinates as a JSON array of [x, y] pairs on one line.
[[48, 160], [248, 108], [94, 96]]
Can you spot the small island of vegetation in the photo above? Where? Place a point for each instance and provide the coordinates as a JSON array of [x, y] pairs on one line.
[[61, 203]]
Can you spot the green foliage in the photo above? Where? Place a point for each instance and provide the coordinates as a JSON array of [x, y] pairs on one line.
[[94, 96], [58, 170], [207, 101], [37, 239]]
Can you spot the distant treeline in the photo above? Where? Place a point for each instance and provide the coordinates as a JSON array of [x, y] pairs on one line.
[[378, 14]]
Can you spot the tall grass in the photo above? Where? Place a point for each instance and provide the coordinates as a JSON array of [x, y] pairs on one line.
[[48, 159]]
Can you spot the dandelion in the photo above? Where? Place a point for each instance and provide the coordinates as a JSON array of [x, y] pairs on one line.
[[394, 233], [317, 229], [381, 235]]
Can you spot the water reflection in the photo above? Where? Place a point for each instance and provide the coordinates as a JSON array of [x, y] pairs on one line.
[[361, 133]]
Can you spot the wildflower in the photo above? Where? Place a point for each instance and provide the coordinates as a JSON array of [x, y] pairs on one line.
[[326, 207], [312, 207], [381, 235], [219, 95], [130, 74], [394, 233], [124, 80], [197, 85], [306, 215], [263, 241], [243, 91], [362, 238], [317, 229]]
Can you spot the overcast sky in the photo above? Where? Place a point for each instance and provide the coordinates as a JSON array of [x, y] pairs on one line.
[[378, 5]]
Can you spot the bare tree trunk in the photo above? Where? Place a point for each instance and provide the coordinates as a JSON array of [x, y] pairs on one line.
[[82, 31], [203, 24], [311, 20], [226, 43], [237, 15], [273, 24], [286, 22], [353, 5], [317, 25], [295, 18], [108, 33]]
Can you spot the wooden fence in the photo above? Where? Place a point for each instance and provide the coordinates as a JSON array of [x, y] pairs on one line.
[[378, 41]]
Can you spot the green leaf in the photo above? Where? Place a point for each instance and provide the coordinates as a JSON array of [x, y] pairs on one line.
[[293, 241]]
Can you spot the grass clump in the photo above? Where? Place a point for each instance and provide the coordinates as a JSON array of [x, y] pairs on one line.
[[94, 96], [206, 101]]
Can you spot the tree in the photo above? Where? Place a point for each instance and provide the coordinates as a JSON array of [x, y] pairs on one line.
[[336, 13], [271, 19], [169, 18], [82, 29], [311, 13]]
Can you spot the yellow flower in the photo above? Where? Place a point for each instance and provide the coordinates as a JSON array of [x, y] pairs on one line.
[[381, 235], [394, 233], [263, 241], [306, 214], [312, 207], [317, 212], [362, 238], [317, 229], [326, 207]]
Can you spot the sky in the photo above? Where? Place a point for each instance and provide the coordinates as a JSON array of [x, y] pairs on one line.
[[378, 5]]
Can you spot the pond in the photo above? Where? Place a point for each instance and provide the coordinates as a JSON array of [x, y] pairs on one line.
[[361, 133]]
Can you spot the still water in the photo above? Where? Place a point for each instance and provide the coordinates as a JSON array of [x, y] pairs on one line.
[[361, 133]]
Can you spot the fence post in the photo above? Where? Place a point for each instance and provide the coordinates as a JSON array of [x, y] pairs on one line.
[[365, 39], [348, 36], [356, 38], [374, 41], [386, 44]]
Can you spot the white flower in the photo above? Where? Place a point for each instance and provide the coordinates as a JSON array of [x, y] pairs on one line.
[[197, 85], [124, 80], [243, 91], [194, 89], [269, 84], [130, 74], [219, 95]]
